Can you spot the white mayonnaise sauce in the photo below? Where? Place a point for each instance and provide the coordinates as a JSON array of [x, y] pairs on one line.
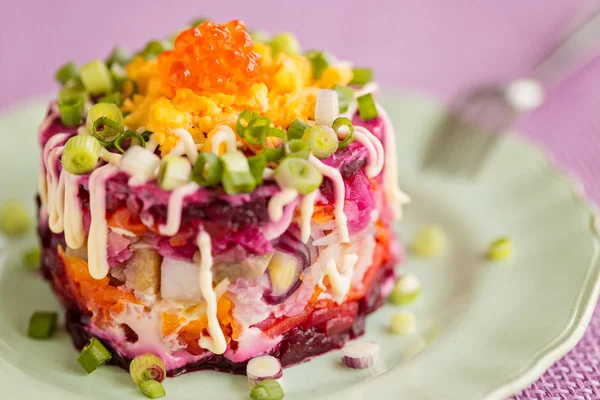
[[340, 194], [224, 135], [307, 208], [187, 141], [98, 237], [340, 280], [45, 167], [279, 201], [375, 152], [56, 192], [395, 196], [175, 208], [216, 343], [111, 158], [73, 218]]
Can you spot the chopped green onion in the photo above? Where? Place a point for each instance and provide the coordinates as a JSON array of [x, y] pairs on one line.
[[96, 77], [257, 164], [81, 154], [42, 325], [208, 169], [260, 36], [108, 111], [500, 249], [93, 355], [117, 72], [403, 323], [67, 73], [128, 87], [406, 289], [322, 140], [366, 107], [319, 61], [174, 172], [296, 129], [129, 133], [345, 96], [298, 174], [114, 98], [273, 153], [71, 94], [155, 47], [32, 258], [198, 21], [284, 43], [429, 240], [152, 389], [147, 367], [297, 148], [360, 76], [237, 177], [337, 124], [14, 218], [109, 133], [71, 110], [118, 56], [256, 131], [267, 389]]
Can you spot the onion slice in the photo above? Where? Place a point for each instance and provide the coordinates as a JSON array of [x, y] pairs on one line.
[[142, 164], [357, 355], [264, 367], [327, 108]]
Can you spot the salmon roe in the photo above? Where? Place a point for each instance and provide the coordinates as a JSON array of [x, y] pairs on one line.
[[211, 57]]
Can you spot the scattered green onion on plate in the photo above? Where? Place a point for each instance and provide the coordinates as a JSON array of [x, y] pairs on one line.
[[406, 289], [14, 218], [93, 355], [42, 325], [500, 249], [403, 323], [32, 258], [147, 367], [429, 241], [268, 389], [152, 389]]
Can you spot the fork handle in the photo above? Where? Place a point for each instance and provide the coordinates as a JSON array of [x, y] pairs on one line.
[[575, 50]]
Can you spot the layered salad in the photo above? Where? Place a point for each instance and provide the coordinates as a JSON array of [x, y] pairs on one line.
[[217, 197]]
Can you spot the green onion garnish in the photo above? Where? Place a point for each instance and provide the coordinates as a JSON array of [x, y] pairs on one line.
[[81, 154], [110, 131], [337, 124], [152, 389], [298, 174], [108, 111], [296, 129], [147, 367], [255, 132], [406, 289], [42, 325], [360, 76], [198, 21], [174, 172], [96, 78], [93, 355], [70, 94], [114, 98], [319, 60], [118, 73], [136, 138], [284, 43], [155, 47], [14, 218], [237, 177], [500, 249], [345, 96], [322, 140], [118, 56], [67, 73], [297, 148], [208, 169], [71, 110], [366, 107], [32, 258], [257, 164], [128, 87], [273, 153], [267, 389]]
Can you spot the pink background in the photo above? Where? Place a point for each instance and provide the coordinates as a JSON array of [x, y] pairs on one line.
[[436, 46]]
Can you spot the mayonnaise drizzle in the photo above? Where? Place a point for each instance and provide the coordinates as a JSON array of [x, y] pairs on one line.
[[395, 196], [175, 209], [45, 166], [340, 194], [111, 158], [340, 281], [73, 218], [279, 201], [307, 208], [98, 237], [189, 146], [224, 135], [56, 192], [216, 343], [375, 154]]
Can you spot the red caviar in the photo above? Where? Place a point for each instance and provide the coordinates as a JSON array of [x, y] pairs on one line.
[[211, 57]]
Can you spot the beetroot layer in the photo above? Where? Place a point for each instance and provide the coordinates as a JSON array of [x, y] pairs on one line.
[[297, 345]]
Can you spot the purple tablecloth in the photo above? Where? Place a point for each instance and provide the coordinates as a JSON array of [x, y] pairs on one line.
[[437, 46]]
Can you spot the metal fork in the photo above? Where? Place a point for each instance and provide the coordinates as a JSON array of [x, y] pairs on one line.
[[479, 118]]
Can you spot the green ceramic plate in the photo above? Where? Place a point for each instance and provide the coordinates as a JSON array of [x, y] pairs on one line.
[[484, 330]]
